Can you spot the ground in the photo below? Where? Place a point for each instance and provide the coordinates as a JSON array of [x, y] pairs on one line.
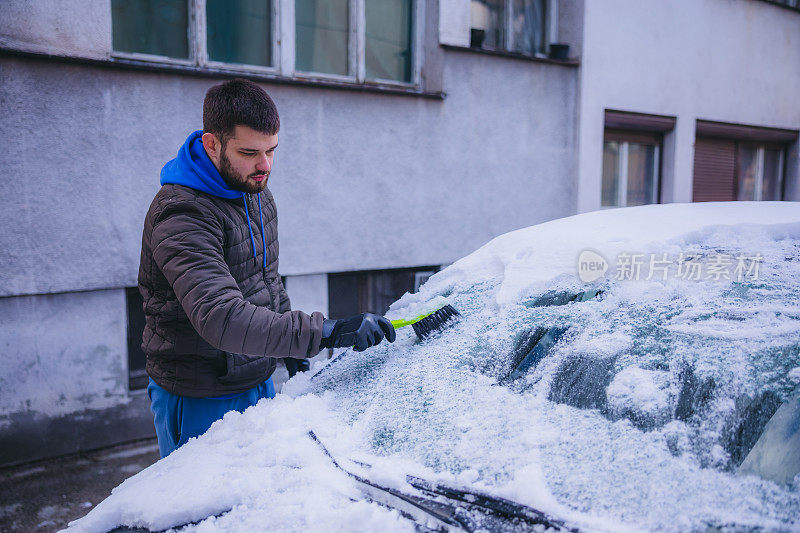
[[46, 495]]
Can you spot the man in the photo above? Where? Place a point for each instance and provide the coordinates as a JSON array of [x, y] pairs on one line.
[[217, 314]]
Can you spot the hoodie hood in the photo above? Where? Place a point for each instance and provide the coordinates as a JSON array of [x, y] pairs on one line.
[[192, 168]]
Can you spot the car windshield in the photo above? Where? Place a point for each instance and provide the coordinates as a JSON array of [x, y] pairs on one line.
[[644, 408], [643, 399]]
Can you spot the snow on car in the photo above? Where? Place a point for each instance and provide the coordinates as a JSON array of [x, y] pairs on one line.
[[620, 370]]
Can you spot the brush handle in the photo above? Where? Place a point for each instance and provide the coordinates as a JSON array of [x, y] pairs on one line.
[[401, 322]]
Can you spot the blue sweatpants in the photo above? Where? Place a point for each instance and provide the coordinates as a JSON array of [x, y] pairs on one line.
[[179, 418]]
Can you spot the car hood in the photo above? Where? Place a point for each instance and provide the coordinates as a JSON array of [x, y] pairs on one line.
[[612, 404]]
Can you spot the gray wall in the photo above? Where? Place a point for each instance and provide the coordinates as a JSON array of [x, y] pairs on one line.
[[732, 61], [73, 343], [362, 181], [60, 27], [63, 375]]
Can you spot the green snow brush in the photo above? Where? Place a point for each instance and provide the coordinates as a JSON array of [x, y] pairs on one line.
[[436, 315]]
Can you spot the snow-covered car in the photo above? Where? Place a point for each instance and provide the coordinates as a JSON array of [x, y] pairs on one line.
[[631, 369]]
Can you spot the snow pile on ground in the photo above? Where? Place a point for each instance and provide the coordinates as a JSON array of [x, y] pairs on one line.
[[634, 419]]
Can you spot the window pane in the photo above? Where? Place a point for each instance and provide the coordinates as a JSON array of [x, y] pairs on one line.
[[488, 21], [746, 166], [528, 26], [156, 27], [388, 36], [610, 173], [321, 36], [771, 186], [239, 31], [641, 174]]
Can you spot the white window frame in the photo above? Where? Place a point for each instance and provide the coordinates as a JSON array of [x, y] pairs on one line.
[[190, 35], [355, 39], [622, 185], [550, 27], [356, 45], [759, 177], [757, 192], [201, 42], [283, 46]]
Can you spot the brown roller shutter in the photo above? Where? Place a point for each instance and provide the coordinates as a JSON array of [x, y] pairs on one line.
[[714, 170], [739, 132]]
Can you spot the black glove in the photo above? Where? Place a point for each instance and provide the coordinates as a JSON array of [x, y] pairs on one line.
[[360, 332], [293, 366]]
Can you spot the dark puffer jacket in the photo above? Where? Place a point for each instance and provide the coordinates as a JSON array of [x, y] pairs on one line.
[[215, 317]]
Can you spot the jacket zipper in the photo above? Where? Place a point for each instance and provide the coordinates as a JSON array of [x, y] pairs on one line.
[[263, 269], [249, 221]]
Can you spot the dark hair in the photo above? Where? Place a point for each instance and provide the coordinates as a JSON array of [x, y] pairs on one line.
[[239, 102]]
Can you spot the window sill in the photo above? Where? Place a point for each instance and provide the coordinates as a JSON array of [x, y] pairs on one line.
[[776, 3], [226, 73], [572, 62]]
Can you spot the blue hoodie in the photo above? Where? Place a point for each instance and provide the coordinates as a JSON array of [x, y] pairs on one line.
[[192, 168]]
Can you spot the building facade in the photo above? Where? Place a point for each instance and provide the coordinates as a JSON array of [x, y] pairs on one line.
[[413, 131]]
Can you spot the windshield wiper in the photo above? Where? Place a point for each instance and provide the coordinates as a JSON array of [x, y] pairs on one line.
[[508, 509], [471, 510], [410, 506]]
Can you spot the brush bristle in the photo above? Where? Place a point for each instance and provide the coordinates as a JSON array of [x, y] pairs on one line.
[[435, 321]]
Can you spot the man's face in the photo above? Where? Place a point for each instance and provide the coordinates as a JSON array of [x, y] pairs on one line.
[[245, 160]]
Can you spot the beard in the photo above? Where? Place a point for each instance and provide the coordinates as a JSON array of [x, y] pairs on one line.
[[236, 181]]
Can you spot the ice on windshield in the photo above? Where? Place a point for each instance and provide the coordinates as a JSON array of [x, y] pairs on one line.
[[642, 401]]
